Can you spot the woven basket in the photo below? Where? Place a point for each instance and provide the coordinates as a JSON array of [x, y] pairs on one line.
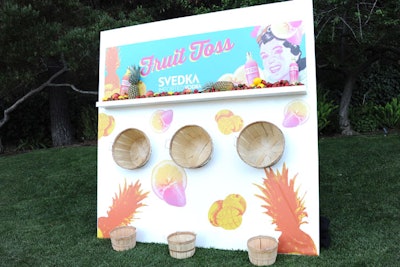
[[131, 149], [123, 238], [260, 144], [262, 250], [181, 244], [191, 147]]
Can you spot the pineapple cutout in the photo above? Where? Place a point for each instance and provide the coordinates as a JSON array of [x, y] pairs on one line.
[[134, 79], [124, 207], [287, 210]]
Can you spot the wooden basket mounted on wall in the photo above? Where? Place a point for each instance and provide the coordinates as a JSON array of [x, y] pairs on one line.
[[191, 147], [131, 149], [260, 144]]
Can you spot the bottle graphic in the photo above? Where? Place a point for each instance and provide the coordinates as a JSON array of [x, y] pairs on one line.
[[125, 83], [293, 72], [251, 69]]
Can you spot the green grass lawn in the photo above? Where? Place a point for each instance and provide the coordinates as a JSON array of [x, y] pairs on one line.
[[48, 210]]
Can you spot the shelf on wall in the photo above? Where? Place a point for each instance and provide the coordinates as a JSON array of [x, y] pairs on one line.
[[209, 96]]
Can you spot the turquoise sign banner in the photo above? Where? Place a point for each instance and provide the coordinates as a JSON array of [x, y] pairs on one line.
[[190, 62]]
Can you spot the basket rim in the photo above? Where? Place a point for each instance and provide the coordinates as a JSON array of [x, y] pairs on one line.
[[198, 127], [182, 233], [276, 242], [259, 122], [129, 227], [128, 130]]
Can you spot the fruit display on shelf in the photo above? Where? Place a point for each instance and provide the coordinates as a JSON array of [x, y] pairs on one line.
[[218, 86]]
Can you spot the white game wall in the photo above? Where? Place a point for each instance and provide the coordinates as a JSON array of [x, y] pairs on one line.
[[225, 173]]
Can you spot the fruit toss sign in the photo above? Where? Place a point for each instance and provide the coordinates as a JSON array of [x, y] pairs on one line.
[[224, 200], [201, 52]]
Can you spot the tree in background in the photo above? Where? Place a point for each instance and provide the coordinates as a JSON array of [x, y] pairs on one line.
[[49, 47], [350, 37]]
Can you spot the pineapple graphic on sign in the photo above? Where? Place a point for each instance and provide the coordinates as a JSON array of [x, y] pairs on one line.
[[218, 86], [282, 202], [134, 80], [124, 207]]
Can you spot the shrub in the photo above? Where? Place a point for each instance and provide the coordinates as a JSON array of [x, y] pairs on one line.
[[325, 109], [31, 143], [388, 115], [88, 127], [379, 84], [363, 118]]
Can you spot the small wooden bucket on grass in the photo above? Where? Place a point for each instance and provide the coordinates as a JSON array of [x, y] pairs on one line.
[[262, 250], [260, 144], [191, 147], [181, 244], [131, 149], [123, 238]]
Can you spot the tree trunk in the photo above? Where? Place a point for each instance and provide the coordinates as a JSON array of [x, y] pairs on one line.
[[344, 121], [61, 128], [1, 147]]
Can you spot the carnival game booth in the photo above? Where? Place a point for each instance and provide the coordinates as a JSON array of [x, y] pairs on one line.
[[208, 125]]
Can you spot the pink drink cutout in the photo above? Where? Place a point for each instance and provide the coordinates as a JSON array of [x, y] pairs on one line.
[[293, 72], [251, 69], [125, 84]]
